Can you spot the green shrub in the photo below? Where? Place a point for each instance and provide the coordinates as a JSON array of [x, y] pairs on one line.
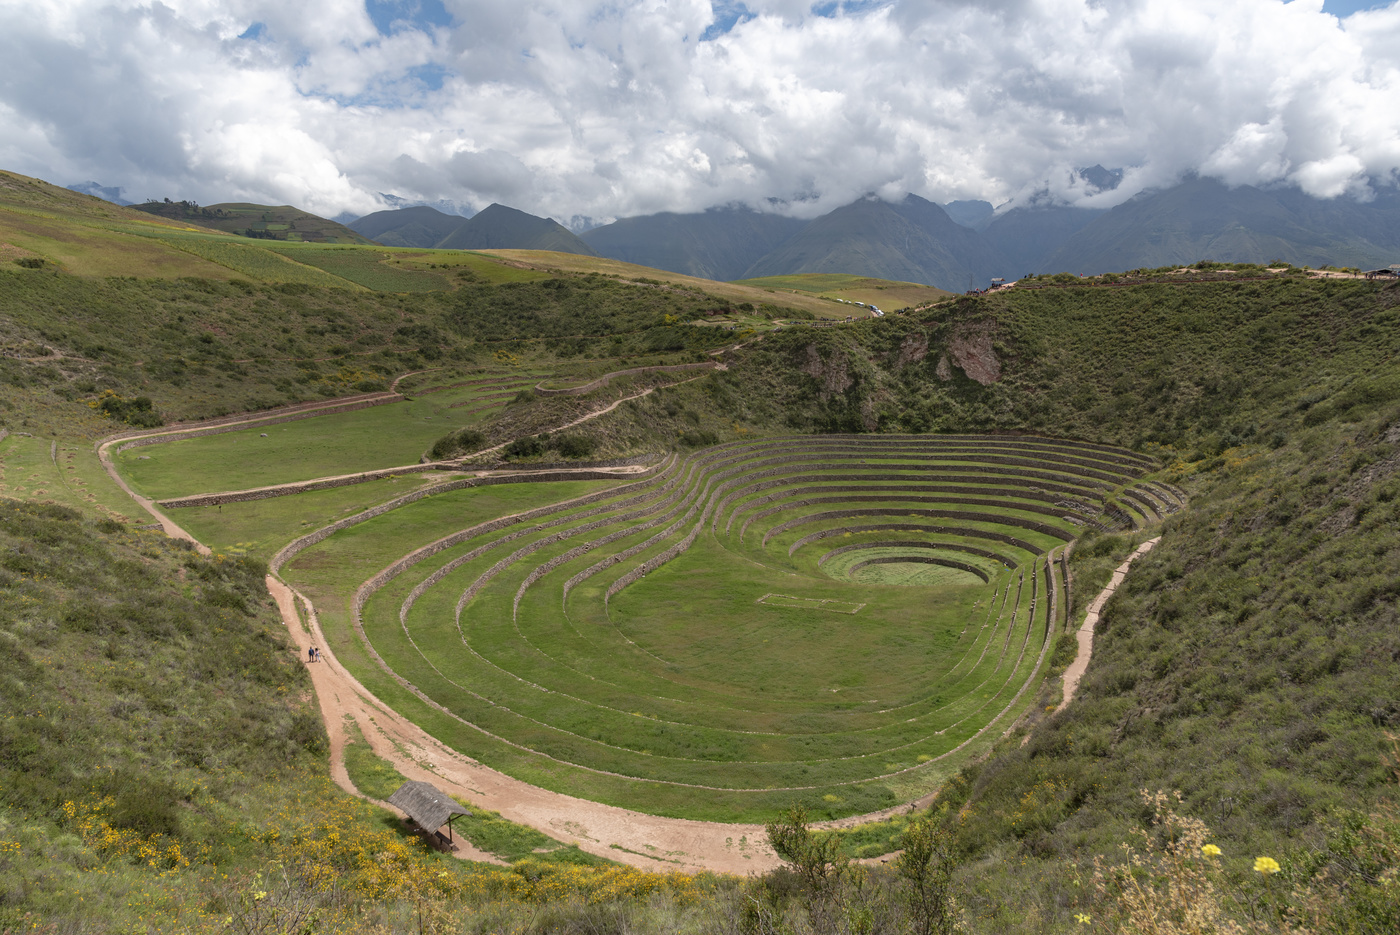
[[699, 438], [138, 411], [575, 446], [528, 447]]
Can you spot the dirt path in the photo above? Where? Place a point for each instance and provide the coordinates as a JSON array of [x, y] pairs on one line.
[[646, 841], [319, 483], [1085, 634], [597, 412]]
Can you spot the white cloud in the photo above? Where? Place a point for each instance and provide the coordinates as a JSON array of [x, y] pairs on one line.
[[619, 107]]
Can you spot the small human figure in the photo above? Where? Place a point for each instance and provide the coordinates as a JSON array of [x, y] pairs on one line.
[[311, 654], [318, 655]]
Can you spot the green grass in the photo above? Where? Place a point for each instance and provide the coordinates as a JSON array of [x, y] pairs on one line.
[[687, 678], [463, 266], [886, 294], [390, 435], [364, 266], [252, 260], [373, 775], [260, 527]]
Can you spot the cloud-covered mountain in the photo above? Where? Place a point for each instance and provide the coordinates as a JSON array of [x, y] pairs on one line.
[[97, 190], [622, 108], [1201, 219], [717, 244], [1027, 236], [912, 241], [501, 228]]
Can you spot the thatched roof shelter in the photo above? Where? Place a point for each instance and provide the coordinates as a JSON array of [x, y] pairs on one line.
[[428, 807]]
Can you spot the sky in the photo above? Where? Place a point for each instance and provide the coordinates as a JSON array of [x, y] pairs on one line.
[[587, 111]]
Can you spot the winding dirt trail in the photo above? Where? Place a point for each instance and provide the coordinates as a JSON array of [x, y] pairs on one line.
[[1085, 634], [646, 841]]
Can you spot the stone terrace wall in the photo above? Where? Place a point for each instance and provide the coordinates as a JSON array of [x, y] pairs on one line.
[[418, 555], [310, 539], [916, 544], [915, 527], [327, 405], [925, 560], [545, 465], [997, 519], [240, 426], [606, 378]]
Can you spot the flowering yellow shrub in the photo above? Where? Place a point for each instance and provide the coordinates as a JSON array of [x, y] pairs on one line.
[[156, 851], [541, 882]]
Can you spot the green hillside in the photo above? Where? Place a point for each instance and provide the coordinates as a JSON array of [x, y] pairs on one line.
[[837, 575], [500, 227], [262, 222], [912, 241], [840, 287], [420, 226], [717, 244]]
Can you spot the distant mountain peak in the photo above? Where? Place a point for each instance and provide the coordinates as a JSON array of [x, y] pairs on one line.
[[97, 190], [443, 205], [1103, 180]]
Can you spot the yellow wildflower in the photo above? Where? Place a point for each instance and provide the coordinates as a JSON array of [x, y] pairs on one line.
[[1081, 918], [1210, 850], [1266, 865]]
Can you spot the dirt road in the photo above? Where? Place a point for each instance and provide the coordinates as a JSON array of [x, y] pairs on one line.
[[646, 841]]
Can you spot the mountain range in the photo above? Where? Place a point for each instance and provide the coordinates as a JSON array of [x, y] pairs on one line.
[[498, 227], [956, 246]]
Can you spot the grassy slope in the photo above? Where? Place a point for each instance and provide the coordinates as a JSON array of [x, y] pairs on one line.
[[886, 294], [391, 435], [279, 222], [733, 292], [1251, 661]]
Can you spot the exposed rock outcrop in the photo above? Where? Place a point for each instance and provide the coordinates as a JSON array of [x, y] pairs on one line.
[[972, 350]]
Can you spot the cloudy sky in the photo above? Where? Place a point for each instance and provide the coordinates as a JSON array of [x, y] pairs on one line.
[[607, 108]]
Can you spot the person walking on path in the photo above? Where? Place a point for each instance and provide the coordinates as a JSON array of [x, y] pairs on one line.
[[311, 654]]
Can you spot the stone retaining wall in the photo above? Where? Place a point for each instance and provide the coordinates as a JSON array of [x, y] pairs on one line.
[[178, 427], [999, 519], [607, 378], [916, 544], [928, 560], [485, 577], [873, 488], [962, 501], [915, 527], [310, 539], [240, 426], [543, 465], [1086, 485], [363, 593], [454, 539], [1115, 453], [788, 479], [284, 490]]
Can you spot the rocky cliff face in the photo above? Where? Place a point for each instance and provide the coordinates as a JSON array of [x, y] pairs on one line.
[[971, 347]]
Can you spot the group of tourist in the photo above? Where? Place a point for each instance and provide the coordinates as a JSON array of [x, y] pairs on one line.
[[313, 654]]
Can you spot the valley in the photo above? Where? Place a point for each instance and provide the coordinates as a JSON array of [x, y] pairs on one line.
[[689, 555]]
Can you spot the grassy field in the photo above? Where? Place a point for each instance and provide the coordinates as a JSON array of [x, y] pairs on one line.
[[737, 294], [259, 528], [692, 676], [365, 266], [886, 294], [384, 436]]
